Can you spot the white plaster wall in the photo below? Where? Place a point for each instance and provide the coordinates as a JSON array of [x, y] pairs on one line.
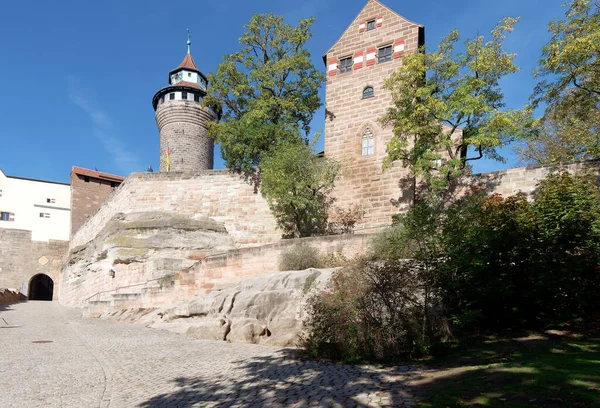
[[189, 76], [27, 199]]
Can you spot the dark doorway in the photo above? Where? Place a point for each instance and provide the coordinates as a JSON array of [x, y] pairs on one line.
[[41, 287]]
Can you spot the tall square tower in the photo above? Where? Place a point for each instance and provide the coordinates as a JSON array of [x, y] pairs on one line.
[[357, 64]]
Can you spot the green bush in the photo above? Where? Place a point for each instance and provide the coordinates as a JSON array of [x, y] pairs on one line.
[[333, 260], [299, 257], [373, 311], [482, 263], [511, 263]]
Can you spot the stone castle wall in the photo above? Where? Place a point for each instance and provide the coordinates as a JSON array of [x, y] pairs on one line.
[[217, 194], [87, 197], [182, 127], [21, 259], [349, 116], [164, 265], [523, 179]]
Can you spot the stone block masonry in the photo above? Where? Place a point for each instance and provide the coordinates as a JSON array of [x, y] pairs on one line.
[[206, 229], [523, 179], [21, 259], [216, 194], [89, 189], [352, 116], [183, 130]]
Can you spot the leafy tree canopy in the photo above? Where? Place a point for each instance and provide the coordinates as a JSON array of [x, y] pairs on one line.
[[447, 106], [297, 184], [268, 91], [568, 131], [570, 87], [571, 56]]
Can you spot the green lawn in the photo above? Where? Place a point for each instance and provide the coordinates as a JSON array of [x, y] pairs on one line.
[[531, 371]]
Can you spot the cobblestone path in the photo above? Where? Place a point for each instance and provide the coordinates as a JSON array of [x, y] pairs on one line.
[[51, 357]]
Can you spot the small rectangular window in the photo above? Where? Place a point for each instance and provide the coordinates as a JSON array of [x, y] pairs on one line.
[[370, 25], [86, 179], [113, 184], [189, 74], [50, 200], [384, 54], [171, 96], [41, 215], [197, 98], [346, 65], [4, 216], [184, 96]]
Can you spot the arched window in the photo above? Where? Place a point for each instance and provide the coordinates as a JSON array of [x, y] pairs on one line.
[[368, 92], [367, 142]]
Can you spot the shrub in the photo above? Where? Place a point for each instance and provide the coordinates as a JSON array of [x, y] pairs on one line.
[[482, 262], [373, 311], [299, 257], [483, 277], [511, 263], [343, 221], [567, 221], [333, 260]]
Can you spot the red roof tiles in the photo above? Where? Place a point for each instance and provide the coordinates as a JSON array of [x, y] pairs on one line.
[[96, 174], [187, 63]]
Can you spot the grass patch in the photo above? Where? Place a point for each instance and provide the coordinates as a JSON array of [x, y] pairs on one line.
[[529, 371]]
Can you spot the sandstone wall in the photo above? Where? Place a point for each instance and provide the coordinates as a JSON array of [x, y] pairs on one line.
[[183, 129], [216, 194], [522, 179], [87, 197], [21, 259], [162, 279], [350, 116]]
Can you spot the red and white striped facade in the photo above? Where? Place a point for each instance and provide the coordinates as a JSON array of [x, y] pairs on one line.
[[376, 41], [366, 57]]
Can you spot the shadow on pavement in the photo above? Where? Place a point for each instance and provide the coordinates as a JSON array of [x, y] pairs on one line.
[[285, 380]]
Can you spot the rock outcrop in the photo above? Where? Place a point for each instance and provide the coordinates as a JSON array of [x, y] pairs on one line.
[[137, 248], [266, 310]]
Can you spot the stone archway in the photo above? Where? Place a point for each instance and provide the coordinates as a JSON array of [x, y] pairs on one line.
[[41, 287]]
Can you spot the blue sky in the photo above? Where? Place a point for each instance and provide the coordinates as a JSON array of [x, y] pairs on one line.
[[78, 76]]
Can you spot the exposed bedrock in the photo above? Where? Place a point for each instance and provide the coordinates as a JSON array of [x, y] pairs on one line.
[[137, 248], [266, 310]]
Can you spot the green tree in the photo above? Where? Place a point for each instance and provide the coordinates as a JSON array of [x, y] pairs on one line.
[[447, 107], [568, 131], [569, 73], [268, 91], [297, 184]]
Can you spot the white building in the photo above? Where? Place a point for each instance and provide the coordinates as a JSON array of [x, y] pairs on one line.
[[42, 207]]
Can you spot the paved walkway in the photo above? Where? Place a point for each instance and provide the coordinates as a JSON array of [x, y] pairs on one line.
[[50, 357]]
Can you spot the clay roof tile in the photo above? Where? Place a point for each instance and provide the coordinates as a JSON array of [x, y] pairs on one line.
[[96, 174], [187, 63]]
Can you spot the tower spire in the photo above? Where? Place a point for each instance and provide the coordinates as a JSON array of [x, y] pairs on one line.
[[189, 41]]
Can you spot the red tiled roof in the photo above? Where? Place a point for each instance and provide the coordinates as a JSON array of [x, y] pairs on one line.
[[187, 63], [96, 174], [186, 83]]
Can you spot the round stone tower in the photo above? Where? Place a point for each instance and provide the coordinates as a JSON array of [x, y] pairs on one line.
[[182, 119]]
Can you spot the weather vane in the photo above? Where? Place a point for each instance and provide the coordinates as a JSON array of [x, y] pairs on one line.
[[189, 41]]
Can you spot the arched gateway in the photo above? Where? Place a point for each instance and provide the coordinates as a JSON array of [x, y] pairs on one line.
[[41, 287]]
